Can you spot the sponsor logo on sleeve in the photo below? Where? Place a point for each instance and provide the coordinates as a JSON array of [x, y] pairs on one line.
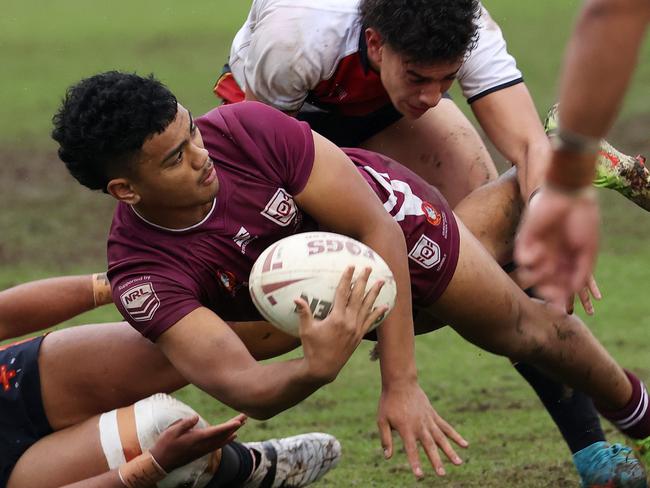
[[140, 301], [425, 252], [281, 208]]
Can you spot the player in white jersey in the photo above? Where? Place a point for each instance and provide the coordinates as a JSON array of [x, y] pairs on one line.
[[366, 73]]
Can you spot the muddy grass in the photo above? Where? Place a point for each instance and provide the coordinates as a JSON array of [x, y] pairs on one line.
[[47, 218]]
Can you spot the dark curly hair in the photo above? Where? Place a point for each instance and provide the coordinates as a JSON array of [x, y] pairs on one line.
[[424, 31], [104, 120]]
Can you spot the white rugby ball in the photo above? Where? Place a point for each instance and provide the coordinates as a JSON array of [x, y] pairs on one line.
[[310, 265]]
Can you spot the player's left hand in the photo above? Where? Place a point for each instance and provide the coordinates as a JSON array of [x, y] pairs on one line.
[[406, 409]]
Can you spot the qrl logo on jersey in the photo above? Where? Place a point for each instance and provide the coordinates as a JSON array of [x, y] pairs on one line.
[[281, 208], [140, 301], [425, 252]]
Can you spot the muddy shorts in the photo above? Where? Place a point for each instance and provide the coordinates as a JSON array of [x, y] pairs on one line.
[[22, 417]]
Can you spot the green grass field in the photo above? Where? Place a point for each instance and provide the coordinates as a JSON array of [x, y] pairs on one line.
[[50, 225]]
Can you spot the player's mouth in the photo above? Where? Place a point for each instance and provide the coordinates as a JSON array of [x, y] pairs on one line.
[[209, 176]]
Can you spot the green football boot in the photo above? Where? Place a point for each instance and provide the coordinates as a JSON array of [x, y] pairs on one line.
[[642, 449], [625, 174]]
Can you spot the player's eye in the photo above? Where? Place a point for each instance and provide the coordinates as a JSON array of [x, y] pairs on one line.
[[418, 80], [179, 157]]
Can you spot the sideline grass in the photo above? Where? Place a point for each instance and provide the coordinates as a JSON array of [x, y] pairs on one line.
[[50, 225]]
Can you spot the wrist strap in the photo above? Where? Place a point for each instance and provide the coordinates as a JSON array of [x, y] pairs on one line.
[[566, 140], [101, 289], [142, 471], [582, 192]]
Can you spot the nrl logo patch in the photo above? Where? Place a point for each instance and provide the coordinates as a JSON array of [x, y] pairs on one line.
[[281, 208], [140, 301]]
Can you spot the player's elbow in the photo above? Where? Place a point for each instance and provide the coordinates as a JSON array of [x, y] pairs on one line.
[[257, 413]]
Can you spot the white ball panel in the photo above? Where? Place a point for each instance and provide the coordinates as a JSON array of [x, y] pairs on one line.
[[310, 265]]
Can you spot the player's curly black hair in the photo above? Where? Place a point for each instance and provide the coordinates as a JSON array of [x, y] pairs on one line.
[[104, 120], [424, 31]]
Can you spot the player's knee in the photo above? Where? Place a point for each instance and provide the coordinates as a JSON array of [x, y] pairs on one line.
[[127, 432]]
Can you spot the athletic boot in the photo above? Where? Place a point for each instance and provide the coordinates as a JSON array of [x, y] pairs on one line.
[[628, 175], [642, 449], [293, 461], [602, 465]]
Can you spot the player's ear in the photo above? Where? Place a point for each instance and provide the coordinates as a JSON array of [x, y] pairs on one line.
[[374, 42], [122, 189]]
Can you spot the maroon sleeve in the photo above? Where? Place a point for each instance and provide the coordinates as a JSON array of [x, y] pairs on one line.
[[152, 302], [278, 144]]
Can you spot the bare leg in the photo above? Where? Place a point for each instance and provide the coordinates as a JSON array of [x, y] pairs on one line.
[[63, 457], [488, 309], [442, 147], [491, 213]]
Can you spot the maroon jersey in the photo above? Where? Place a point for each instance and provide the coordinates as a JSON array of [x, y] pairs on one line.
[[263, 158]]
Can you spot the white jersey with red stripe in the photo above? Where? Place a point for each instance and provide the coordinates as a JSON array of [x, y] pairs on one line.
[[289, 51]]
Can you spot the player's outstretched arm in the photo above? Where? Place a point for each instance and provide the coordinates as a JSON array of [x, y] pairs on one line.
[[180, 444], [558, 240], [353, 209], [510, 120], [205, 350], [37, 305]]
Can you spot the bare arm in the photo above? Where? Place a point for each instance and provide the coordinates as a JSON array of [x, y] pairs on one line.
[[510, 120], [41, 304], [250, 97], [353, 209], [558, 239], [599, 62], [110, 479], [206, 351]]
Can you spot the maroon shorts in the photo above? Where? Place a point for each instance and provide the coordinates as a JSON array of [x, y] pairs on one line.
[[425, 217]]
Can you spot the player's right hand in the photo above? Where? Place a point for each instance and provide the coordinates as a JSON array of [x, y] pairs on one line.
[[557, 244], [329, 343]]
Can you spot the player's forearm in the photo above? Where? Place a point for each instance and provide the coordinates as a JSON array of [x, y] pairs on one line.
[[109, 479], [599, 62], [510, 120], [268, 389], [41, 304], [396, 343]]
